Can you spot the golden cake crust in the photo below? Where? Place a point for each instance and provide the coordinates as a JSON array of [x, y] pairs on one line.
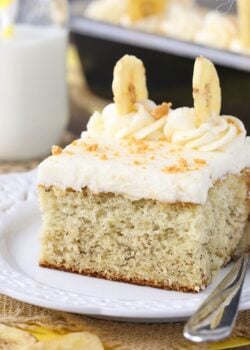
[[119, 278]]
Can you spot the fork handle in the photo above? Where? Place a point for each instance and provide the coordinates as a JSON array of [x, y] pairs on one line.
[[215, 318]]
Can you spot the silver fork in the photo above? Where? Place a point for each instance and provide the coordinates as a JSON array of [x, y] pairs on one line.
[[215, 318]]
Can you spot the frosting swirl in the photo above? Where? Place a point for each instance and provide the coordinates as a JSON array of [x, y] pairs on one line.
[[177, 127], [218, 133], [139, 124]]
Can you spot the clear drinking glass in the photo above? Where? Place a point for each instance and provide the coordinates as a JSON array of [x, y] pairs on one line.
[[33, 88]]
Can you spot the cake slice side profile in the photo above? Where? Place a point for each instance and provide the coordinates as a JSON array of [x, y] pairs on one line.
[[149, 194]]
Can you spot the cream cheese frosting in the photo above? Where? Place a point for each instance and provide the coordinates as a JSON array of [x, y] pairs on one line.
[[176, 126], [172, 161], [218, 133], [138, 149], [139, 124]]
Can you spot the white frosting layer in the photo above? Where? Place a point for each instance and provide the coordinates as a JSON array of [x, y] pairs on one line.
[[142, 169], [152, 153]]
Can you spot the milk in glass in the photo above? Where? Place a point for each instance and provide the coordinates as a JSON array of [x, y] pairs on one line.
[[33, 92]]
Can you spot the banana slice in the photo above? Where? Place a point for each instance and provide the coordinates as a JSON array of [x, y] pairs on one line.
[[138, 9], [206, 90], [74, 341], [243, 7], [14, 338], [129, 84]]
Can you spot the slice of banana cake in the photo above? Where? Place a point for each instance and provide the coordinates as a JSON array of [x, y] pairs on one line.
[[149, 194]]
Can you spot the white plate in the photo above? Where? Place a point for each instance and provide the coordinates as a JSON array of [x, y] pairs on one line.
[[23, 279]]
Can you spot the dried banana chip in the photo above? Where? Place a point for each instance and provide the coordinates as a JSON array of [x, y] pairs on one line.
[[129, 84], [206, 90]]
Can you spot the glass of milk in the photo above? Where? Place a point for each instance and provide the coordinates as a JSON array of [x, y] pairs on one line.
[[33, 88]]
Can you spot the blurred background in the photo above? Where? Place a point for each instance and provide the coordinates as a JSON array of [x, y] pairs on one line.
[[166, 34], [167, 41]]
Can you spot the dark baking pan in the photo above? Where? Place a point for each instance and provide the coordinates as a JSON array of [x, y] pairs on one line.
[[169, 64]]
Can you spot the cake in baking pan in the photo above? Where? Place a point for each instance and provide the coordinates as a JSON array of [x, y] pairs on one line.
[[150, 194]]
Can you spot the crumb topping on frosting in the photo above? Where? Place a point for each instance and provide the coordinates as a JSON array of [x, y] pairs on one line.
[[142, 150], [183, 166], [200, 161], [92, 148], [56, 150], [103, 157], [137, 162], [159, 111]]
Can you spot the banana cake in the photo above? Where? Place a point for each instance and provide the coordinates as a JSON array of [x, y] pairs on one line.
[[149, 194]]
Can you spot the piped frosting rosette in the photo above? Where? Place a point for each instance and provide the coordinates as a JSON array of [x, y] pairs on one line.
[[134, 116], [215, 134], [139, 124]]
